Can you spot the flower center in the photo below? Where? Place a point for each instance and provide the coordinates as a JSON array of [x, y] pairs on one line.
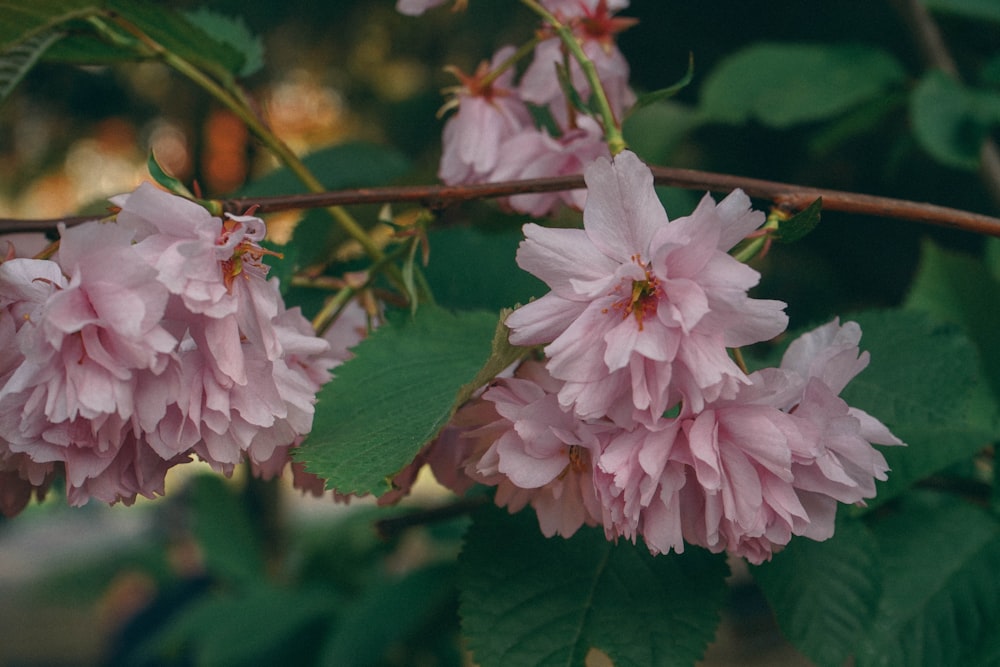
[[578, 461], [643, 298], [246, 254], [599, 25]]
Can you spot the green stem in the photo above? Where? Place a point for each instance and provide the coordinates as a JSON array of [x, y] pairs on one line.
[[510, 62], [238, 106], [331, 310], [612, 132], [753, 246], [327, 315]]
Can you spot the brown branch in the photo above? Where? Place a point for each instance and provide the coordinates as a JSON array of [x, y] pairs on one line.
[[786, 195], [794, 197]]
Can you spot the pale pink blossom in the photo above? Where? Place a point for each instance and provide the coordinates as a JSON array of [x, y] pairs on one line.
[[145, 342], [745, 474], [595, 28], [488, 114], [22, 244], [21, 297], [187, 245], [638, 482], [84, 338], [642, 310], [349, 329], [541, 455], [742, 496], [89, 328], [535, 154], [844, 466]]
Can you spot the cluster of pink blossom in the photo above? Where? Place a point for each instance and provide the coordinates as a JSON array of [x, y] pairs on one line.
[[493, 135], [639, 420], [143, 342]]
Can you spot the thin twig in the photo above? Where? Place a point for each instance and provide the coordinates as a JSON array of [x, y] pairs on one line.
[[787, 195], [390, 528]]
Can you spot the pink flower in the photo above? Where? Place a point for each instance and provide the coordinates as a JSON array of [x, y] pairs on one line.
[[745, 474], [742, 497], [534, 154], [641, 310], [638, 482], [26, 244], [844, 466], [20, 298], [595, 28], [85, 339], [488, 114], [147, 341], [187, 246], [540, 454]]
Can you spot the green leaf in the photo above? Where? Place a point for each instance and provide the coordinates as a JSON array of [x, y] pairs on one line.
[[569, 90], [655, 131], [21, 21], [941, 288], [18, 60], [974, 9], [992, 257], [950, 121], [476, 269], [941, 595], [81, 48], [529, 600], [989, 73], [502, 355], [782, 85], [179, 35], [223, 48], [393, 397], [923, 382], [825, 594], [800, 224], [668, 92], [167, 181], [390, 612], [864, 119], [224, 532], [986, 651], [234, 33], [263, 626]]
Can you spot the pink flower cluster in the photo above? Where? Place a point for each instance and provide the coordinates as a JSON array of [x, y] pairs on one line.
[[639, 420], [146, 341], [493, 135]]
